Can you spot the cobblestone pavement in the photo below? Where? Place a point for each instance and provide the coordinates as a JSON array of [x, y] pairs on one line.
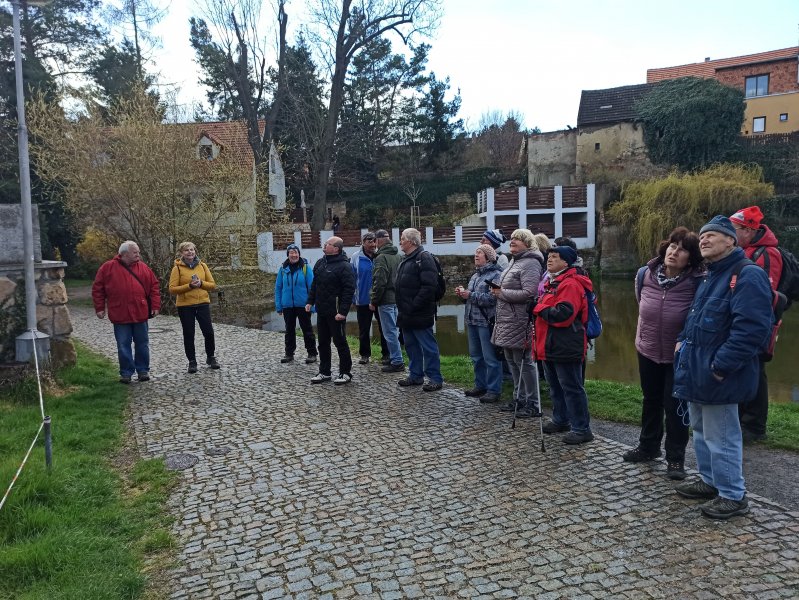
[[368, 490]]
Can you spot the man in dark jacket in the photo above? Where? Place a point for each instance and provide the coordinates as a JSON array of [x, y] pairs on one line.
[[331, 292], [716, 366], [362, 266], [130, 290], [417, 280], [383, 297], [760, 245]]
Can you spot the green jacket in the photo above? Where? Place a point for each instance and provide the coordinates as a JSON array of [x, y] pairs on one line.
[[384, 275]]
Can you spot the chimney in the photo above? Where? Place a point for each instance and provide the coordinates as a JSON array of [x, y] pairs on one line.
[[707, 59]]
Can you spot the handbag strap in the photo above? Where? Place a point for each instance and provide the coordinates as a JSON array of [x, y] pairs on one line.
[[146, 292]]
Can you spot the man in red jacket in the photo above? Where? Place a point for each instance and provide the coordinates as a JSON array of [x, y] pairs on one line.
[[130, 290], [760, 245]]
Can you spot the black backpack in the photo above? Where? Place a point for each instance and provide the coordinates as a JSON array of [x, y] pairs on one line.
[[441, 282], [789, 279]]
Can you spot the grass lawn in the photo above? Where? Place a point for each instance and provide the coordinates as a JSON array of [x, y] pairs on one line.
[[91, 527]]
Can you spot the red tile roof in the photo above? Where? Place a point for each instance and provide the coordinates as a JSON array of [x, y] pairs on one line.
[[708, 68], [231, 136]]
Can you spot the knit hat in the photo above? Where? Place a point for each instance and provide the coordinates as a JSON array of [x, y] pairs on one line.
[[566, 253], [721, 224], [490, 253], [293, 247], [495, 237], [750, 217]]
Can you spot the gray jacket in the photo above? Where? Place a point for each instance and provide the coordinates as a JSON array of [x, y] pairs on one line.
[[519, 287]]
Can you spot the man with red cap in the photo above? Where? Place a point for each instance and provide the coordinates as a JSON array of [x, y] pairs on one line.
[[760, 245]]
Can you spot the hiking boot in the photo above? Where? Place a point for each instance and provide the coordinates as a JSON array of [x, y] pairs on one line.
[[320, 378], [286, 359], [488, 398], [342, 379], [389, 368], [192, 367], [696, 489], [311, 359], [407, 382], [724, 508], [432, 386], [528, 412], [124, 379], [143, 376], [639, 455], [573, 438], [364, 360], [675, 470], [509, 407], [385, 361], [552, 427], [212, 363], [474, 392]]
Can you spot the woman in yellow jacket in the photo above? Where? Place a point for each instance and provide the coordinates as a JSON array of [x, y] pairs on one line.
[[190, 281]]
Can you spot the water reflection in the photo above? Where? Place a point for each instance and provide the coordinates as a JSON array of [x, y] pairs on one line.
[[613, 357]]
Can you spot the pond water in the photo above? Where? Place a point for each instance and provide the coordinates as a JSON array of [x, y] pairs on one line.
[[613, 356]]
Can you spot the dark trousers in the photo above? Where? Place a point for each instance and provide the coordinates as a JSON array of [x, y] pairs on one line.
[[754, 414], [328, 329], [364, 328], [290, 317], [657, 381], [202, 314]]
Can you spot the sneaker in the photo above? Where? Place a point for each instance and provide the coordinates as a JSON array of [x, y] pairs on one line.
[[575, 438], [192, 367], [528, 412], [342, 379], [364, 360], [143, 376], [696, 489], [488, 398], [212, 363], [407, 382], [432, 386], [311, 359], [389, 368], [639, 455], [509, 407], [675, 470], [124, 379], [286, 359], [320, 378], [552, 427], [724, 508], [474, 392]]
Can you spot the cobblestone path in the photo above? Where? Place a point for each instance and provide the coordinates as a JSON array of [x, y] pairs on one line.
[[372, 491]]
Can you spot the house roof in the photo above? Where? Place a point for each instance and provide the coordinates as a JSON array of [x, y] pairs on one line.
[[707, 69], [231, 136], [612, 105]]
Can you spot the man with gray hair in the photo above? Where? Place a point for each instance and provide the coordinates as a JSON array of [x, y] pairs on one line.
[[130, 291], [415, 288]]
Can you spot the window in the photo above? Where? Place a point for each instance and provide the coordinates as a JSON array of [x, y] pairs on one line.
[[596, 147], [757, 85], [206, 151], [758, 124], [783, 117]]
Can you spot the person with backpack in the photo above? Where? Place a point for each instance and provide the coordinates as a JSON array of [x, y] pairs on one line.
[[560, 341], [664, 290], [416, 289], [760, 246], [292, 284], [516, 292]]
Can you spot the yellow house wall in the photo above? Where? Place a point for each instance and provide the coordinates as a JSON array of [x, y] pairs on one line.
[[771, 107]]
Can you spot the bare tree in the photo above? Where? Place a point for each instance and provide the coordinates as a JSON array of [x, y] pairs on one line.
[[348, 26], [140, 16]]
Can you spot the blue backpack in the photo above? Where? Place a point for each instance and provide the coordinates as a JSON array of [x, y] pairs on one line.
[[593, 328]]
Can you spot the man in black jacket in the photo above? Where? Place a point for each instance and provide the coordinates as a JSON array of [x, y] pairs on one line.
[[331, 292], [417, 280]]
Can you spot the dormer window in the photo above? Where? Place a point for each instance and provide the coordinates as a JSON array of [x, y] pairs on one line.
[[207, 151], [206, 148]]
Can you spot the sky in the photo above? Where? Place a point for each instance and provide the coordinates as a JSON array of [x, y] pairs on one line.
[[534, 57]]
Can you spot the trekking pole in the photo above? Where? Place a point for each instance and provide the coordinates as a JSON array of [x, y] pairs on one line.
[[540, 403], [515, 408]]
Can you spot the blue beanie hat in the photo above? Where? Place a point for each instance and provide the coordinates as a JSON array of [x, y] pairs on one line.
[[495, 237], [721, 224], [566, 253], [293, 247]]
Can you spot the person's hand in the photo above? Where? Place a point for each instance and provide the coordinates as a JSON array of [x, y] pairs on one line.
[[307, 308], [100, 314], [677, 347], [195, 283], [154, 314], [372, 307], [340, 317], [496, 292]]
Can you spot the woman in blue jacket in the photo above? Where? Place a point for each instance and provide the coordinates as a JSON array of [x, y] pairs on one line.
[[291, 294]]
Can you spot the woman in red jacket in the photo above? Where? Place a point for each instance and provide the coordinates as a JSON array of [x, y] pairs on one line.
[[559, 337]]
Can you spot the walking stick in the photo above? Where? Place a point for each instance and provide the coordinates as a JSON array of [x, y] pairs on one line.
[[540, 404]]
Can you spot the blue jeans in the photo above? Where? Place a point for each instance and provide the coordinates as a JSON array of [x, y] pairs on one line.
[[719, 447], [135, 333], [423, 356], [569, 401], [525, 377], [388, 323], [487, 370]]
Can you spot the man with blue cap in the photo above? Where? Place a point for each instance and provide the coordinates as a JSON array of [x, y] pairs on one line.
[[716, 366]]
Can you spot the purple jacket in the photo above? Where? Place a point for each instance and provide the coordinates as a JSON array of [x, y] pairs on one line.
[[662, 313]]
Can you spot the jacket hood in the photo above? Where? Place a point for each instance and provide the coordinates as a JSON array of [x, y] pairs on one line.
[[767, 238], [387, 248]]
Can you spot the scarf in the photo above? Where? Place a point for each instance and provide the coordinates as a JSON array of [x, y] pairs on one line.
[[193, 263]]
